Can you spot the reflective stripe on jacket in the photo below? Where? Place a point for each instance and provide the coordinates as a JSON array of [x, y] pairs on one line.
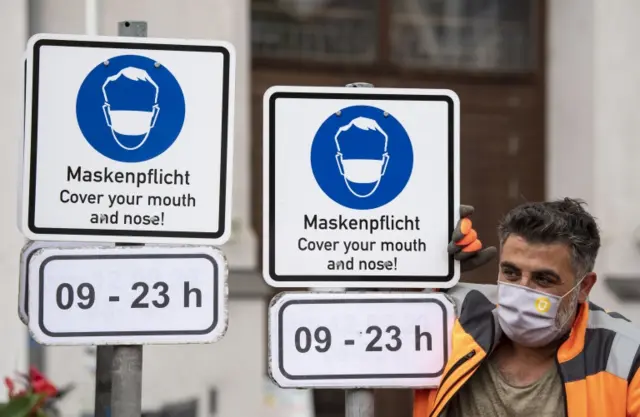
[[598, 362]]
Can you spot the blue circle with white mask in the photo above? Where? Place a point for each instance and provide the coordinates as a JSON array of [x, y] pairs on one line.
[[361, 157], [130, 108]]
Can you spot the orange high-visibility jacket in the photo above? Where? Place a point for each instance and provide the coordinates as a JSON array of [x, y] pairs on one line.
[[598, 362]]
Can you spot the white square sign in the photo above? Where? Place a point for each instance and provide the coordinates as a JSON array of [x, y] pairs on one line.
[[356, 340], [128, 140], [127, 295], [361, 187]]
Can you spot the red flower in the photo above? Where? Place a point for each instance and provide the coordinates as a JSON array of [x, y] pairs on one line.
[[35, 375], [40, 384], [11, 387], [35, 384]]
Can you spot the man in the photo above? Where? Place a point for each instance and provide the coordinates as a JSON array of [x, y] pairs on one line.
[[534, 345]]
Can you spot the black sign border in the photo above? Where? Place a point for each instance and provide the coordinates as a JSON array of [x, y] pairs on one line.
[[32, 188], [216, 290], [390, 278], [359, 301]]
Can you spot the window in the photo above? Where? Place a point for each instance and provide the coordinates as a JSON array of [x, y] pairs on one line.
[[467, 35], [463, 34], [315, 30]]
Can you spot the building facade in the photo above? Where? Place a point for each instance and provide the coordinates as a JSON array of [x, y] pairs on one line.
[[547, 94]]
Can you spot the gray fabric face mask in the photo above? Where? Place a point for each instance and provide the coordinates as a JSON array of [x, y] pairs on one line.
[[533, 318]]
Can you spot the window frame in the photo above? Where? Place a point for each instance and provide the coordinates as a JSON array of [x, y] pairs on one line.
[[383, 65]]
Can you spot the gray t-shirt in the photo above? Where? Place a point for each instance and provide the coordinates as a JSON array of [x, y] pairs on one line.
[[487, 394]]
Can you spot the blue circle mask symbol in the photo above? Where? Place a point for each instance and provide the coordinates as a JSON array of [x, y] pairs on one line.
[[130, 109], [361, 157]]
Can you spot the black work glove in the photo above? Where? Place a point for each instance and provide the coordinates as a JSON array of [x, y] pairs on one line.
[[465, 245]]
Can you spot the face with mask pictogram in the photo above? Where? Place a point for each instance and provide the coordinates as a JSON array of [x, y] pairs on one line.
[[118, 108], [362, 155], [130, 106]]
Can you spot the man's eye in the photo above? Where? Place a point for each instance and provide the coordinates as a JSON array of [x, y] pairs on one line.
[[510, 273], [544, 280]]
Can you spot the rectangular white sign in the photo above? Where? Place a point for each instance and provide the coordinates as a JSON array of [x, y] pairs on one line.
[[25, 256], [361, 187], [127, 295], [375, 340], [128, 140]]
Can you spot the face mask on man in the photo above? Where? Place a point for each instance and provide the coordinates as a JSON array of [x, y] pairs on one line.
[[533, 318]]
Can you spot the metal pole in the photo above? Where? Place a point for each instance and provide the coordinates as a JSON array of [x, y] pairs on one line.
[[126, 381], [102, 398], [104, 357], [126, 365], [359, 402]]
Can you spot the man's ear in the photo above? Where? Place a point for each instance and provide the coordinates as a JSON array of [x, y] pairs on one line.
[[587, 284]]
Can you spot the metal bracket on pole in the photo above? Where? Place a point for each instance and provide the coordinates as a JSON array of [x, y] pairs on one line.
[[359, 84], [134, 29], [359, 402]]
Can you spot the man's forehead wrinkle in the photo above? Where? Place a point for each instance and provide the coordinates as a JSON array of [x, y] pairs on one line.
[[536, 258]]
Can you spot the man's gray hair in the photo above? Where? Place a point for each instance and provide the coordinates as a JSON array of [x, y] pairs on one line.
[[561, 221]]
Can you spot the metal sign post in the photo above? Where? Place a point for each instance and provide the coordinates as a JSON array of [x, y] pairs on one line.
[[126, 381], [359, 402], [131, 100], [127, 297], [126, 361], [120, 366], [360, 213], [358, 341]]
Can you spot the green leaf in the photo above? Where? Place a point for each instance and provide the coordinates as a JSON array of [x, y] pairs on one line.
[[19, 407]]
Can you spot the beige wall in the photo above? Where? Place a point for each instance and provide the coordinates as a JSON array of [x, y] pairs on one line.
[[593, 131], [13, 334]]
